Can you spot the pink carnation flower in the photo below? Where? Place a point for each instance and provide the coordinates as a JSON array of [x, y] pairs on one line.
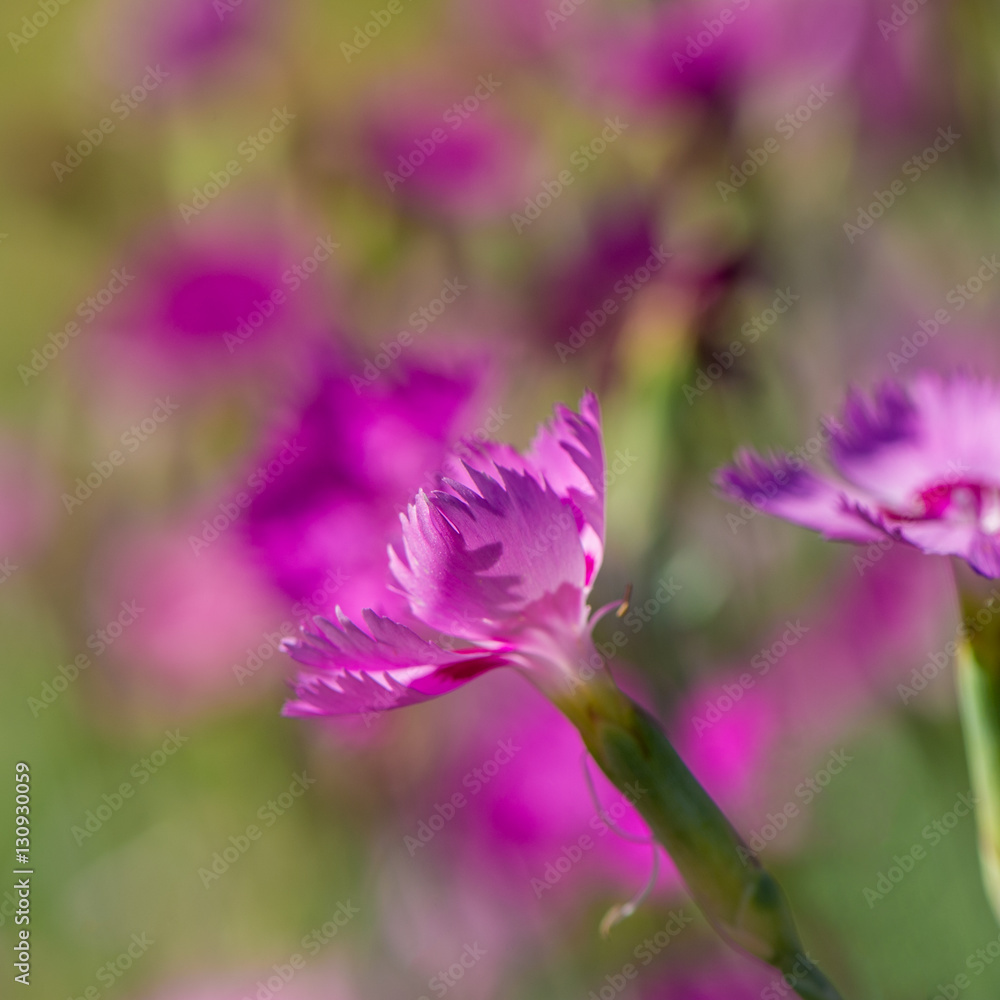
[[918, 464], [496, 564]]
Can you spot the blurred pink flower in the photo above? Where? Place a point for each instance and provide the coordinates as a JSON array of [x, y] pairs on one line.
[[451, 155], [920, 464], [655, 56], [204, 619], [179, 38], [327, 490], [585, 298], [798, 45], [220, 300], [306, 516], [715, 51], [898, 78]]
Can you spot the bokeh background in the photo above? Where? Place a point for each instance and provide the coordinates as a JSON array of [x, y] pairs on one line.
[[260, 264]]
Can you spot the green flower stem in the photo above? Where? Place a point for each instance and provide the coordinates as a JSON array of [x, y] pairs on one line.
[[978, 672], [739, 898]]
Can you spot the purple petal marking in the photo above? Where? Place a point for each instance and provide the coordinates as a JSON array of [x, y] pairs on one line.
[[781, 486], [888, 419]]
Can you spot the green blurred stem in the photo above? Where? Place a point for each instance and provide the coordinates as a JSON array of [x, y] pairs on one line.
[[739, 898], [979, 701]]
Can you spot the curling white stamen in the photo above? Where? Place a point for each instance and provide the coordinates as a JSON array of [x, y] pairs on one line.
[[601, 812], [621, 911]]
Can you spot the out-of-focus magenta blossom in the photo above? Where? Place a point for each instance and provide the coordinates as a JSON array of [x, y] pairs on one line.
[[191, 31], [330, 486], [919, 464], [647, 57], [802, 44], [621, 255], [496, 564], [177, 38], [453, 155], [220, 300], [712, 50], [898, 85], [189, 612]]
